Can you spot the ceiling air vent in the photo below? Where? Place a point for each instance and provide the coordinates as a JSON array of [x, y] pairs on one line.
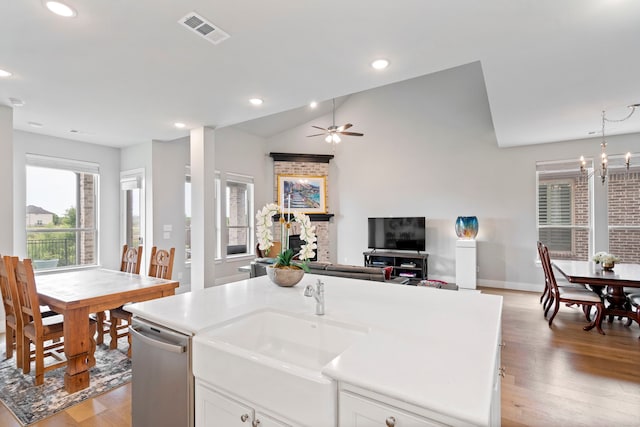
[[205, 29]]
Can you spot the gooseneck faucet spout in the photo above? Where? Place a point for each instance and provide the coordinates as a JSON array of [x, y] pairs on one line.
[[318, 294]]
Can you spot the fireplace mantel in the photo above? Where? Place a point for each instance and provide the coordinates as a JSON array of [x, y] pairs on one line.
[[301, 157], [312, 217]]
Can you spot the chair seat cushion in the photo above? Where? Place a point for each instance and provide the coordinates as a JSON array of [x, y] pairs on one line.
[[579, 295], [120, 313], [52, 325], [572, 285]]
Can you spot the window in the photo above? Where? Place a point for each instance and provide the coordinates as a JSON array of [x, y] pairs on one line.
[[564, 204], [61, 212], [133, 206], [238, 208], [187, 215], [623, 201]]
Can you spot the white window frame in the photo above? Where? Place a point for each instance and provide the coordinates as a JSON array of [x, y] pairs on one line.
[[556, 169], [222, 229], [75, 166]]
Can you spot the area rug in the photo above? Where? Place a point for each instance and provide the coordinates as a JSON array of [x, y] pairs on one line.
[[31, 404]]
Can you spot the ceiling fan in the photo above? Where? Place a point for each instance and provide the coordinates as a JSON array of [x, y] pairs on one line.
[[333, 132]]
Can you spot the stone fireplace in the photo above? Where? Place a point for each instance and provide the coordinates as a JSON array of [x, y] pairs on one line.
[[305, 165]]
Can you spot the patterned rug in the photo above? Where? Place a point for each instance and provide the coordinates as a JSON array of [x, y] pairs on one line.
[[31, 404]]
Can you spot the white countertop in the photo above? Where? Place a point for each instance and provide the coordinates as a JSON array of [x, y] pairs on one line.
[[429, 347]]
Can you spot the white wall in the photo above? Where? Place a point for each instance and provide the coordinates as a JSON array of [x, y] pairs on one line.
[[242, 153], [429, 150], [170, 160], [109, 160]]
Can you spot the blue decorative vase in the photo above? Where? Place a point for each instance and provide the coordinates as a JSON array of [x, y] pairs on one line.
[[467, 227]]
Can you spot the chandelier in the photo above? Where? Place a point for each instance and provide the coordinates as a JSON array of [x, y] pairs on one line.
[[604, 160]]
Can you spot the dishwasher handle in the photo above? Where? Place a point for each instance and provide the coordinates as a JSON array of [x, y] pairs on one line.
[[174, 348]]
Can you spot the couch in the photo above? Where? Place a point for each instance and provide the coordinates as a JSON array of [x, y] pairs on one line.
[[259, 268]]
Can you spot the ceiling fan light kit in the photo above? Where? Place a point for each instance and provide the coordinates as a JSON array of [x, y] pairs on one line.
[[333, 132]]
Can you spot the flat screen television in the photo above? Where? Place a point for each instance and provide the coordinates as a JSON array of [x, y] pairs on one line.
[[399, 233]]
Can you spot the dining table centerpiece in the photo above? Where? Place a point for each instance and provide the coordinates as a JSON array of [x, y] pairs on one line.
[[289, 267], [607, 260]]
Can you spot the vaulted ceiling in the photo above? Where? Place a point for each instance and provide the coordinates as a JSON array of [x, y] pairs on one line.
[[122, 72]]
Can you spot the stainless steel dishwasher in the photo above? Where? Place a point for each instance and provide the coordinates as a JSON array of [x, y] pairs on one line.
[[162, 379]]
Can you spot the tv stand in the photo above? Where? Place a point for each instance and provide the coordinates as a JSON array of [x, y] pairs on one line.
[[405, 264]]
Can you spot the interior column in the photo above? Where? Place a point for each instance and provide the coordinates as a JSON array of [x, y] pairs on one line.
[[202, 147]]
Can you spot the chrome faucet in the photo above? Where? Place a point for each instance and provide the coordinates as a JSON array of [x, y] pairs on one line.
[[318, 294]]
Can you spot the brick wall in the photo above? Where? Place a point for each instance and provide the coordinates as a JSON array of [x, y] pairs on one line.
[[624, 210], [305, 169], [85, 216]]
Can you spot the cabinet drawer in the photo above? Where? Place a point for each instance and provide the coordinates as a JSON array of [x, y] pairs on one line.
[[358, 411]]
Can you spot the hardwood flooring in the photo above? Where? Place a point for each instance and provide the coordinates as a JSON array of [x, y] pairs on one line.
[[560, 376]]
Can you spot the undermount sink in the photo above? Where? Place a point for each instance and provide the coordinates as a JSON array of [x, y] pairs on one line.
[[309, 343], [275, 359]]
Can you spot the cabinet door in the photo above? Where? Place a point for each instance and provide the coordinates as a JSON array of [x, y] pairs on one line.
[[356, 411], [263, 420], [214, 410]]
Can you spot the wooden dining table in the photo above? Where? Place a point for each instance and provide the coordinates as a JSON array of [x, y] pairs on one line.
[[590, 273], [76, 294]]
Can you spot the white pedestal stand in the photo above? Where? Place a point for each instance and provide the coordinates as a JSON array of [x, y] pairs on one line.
[[466, 264]]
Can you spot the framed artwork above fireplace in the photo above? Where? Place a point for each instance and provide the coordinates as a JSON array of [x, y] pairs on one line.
[[302, 193]]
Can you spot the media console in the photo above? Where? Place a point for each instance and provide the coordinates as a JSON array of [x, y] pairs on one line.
[[405, 264]]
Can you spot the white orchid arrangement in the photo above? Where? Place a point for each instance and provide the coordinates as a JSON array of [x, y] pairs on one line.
[[264, 233], [605, 258]]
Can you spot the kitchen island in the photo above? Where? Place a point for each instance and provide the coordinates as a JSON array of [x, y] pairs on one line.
[[419, 356]]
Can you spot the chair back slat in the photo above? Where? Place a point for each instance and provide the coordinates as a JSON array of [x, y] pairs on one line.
[[25, 283], [9, 295], [161, 264], [548, 268], [131, 259]]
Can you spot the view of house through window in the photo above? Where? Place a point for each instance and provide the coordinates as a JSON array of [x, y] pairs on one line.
[[187, 216], [239, 214], [564, 202], [61, 212]]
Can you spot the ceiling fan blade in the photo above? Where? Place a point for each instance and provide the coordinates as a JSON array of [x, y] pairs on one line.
[[344, 127], [317, 134], [318, 127], [351, 133]]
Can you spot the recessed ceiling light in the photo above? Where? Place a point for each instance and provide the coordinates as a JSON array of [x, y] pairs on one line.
[[35, 124], [256, 101], [179, 125], [380, 64], [61, 9], [313, 104], [4, 73]]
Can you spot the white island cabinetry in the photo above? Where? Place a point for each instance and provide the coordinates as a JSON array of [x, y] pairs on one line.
[[215, 409], [381, 352]]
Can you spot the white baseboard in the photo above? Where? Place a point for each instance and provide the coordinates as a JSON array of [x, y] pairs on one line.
[[516, 286]]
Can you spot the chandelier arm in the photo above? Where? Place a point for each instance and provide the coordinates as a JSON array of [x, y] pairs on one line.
[[633, 110]]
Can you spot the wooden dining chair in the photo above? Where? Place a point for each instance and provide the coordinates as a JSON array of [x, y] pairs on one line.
[[131, 259], [634, 301], [130, 262], [568, 295], [12, 322], [547, 297], [271, 253], [36, 329], [160, 266]]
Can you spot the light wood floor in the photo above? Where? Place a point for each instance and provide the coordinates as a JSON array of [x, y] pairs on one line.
[[554, 377]]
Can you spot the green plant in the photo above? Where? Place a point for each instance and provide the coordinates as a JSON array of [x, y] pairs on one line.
[[285, 259]]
